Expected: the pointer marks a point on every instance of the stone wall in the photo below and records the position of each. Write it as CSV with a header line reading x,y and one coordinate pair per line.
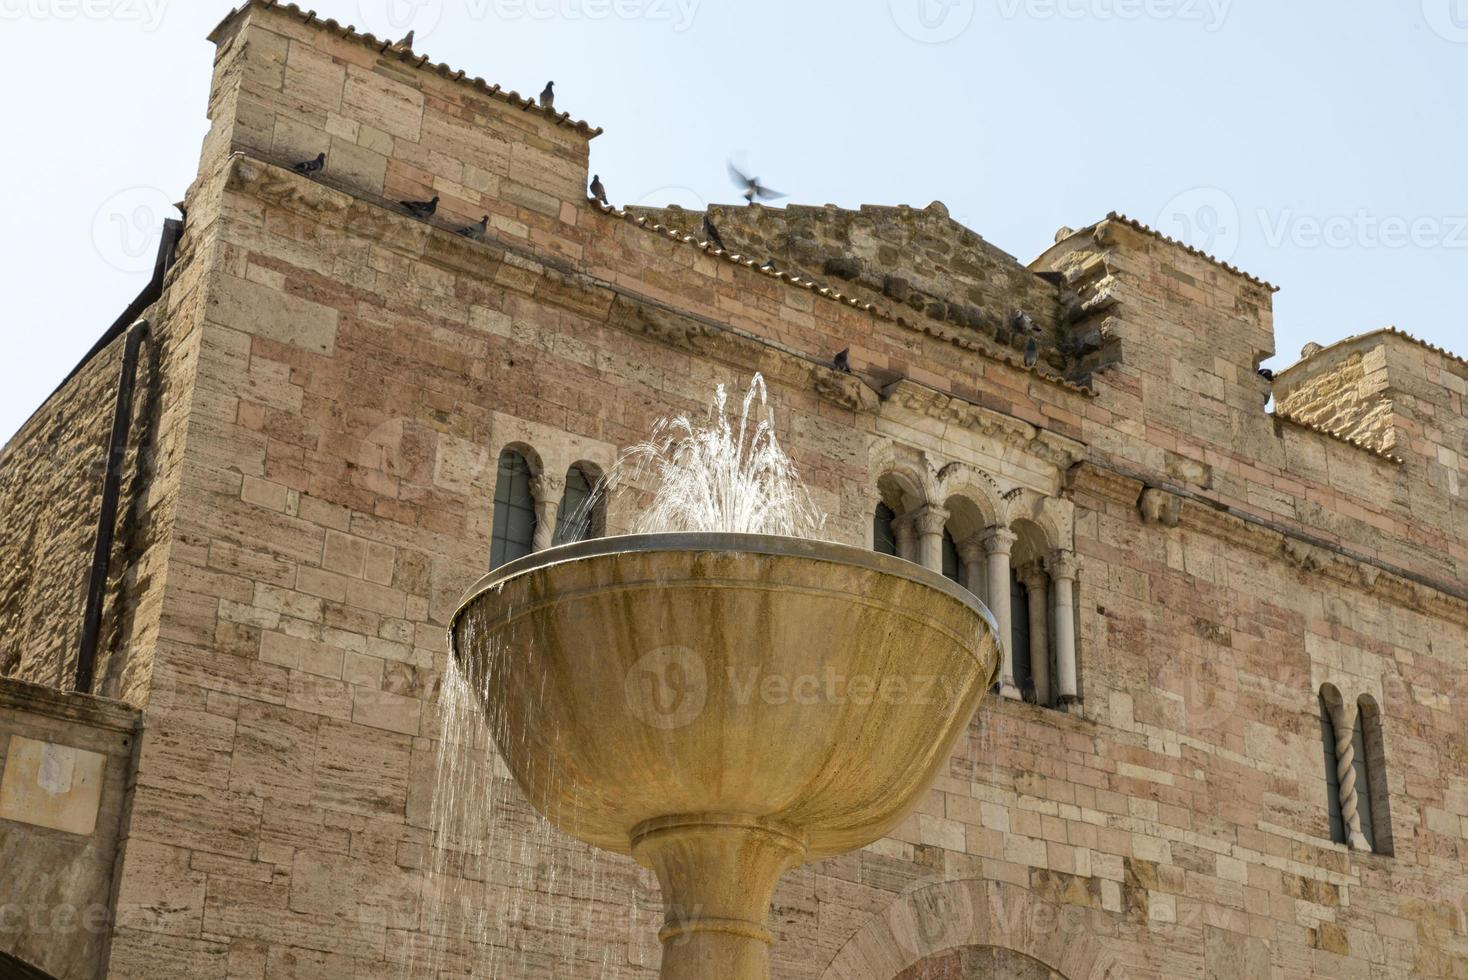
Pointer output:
x,y
340,379
65,768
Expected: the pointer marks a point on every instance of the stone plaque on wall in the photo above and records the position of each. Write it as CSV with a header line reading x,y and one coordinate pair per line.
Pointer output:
x,y
50,785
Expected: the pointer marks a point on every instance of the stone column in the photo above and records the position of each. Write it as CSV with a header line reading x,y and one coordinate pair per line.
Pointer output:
x,y
547,490
997,542
929,521
974,556
904,529
1037,582
1344,723
1063,570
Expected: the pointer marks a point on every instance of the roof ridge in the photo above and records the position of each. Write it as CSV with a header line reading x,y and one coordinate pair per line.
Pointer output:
x,y
830,292
384,46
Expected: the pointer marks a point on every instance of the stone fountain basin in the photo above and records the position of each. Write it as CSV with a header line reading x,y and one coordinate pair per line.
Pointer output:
x,y
809,686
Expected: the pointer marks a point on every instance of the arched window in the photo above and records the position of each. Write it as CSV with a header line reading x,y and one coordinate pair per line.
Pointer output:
x,y
1332,779
952,567
580,513
884,537
514,510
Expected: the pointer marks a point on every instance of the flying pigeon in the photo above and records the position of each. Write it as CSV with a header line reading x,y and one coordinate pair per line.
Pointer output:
x,y
421,209
548,96
752,187
477,229
597,190
711,235
1032,352
310,166
842,361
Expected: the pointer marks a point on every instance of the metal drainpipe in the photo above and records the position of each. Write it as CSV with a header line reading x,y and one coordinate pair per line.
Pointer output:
x,y
122,420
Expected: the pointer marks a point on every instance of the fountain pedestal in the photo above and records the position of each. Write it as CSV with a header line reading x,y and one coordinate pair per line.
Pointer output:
x,y
723,707
718,873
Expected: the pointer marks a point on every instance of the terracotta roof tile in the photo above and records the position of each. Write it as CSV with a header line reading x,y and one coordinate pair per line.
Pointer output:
x,y
1348,440
385,47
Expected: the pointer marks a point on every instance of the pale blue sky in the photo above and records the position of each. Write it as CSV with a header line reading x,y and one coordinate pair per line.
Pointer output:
x,y
1320,145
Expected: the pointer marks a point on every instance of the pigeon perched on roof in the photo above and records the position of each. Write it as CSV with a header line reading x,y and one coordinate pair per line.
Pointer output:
x,y
548,96
597,190
1266,374
842,361
406,44
477,229
421,209
1022,323
752,187
711,235
311,166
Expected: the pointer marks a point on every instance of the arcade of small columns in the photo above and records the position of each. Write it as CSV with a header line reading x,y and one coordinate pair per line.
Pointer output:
x,y
986,560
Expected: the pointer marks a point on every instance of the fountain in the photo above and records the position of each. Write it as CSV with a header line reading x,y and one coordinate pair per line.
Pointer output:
x,y
719,703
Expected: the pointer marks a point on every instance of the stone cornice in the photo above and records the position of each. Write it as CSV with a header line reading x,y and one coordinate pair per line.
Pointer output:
x,y
1059,451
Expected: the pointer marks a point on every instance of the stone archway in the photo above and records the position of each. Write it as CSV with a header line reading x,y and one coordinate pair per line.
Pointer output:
x,y
979,963
950,925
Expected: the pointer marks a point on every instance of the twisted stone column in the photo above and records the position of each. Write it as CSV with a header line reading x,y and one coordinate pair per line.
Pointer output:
x,y
929,521
1063,570
998,541
547,490
1344,724
1037,583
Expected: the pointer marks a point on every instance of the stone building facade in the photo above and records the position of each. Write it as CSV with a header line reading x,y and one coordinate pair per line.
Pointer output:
x,y
1215,597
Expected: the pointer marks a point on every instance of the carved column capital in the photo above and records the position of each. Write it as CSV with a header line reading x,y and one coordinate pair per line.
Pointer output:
x,y
1034,575
930,519
998,540
1063,566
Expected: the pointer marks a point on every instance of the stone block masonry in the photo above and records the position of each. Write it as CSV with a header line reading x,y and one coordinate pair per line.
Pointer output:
x,y
333,382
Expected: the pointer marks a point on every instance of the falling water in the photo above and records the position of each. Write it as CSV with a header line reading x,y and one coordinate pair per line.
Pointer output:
x,y
502,880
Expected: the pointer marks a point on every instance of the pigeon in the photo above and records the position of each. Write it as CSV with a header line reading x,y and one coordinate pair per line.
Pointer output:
x,y
421,209
1266,374
548,96
311,166
1022,323
842,361
476,230
1032,352
752,187
406,44
711,235
598,191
